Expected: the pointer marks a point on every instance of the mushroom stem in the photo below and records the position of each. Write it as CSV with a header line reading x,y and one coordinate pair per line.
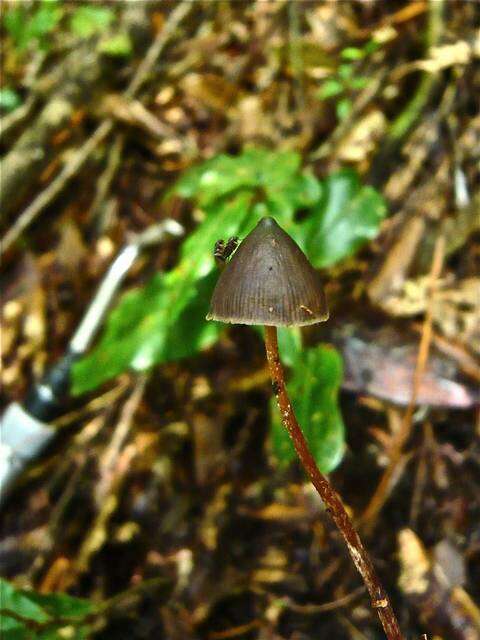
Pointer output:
x,y
335,508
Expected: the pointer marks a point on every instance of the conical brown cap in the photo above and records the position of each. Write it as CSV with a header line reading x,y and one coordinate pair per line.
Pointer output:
x,y
269,281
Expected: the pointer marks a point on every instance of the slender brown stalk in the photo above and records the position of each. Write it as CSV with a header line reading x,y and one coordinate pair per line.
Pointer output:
x,y
335,508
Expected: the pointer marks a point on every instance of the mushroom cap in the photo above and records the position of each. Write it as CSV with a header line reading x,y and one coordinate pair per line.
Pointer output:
x,y
269,281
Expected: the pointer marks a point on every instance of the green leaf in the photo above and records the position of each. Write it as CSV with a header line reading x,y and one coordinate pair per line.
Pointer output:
x,y
62,605
20,602
253,169
352,53
299,191
343,108
28,614
330,88
15,21
358,83
289,344
9,99
45,19
165,320
24,26
346,217
313,388
118,46
88,20
371,46
345,71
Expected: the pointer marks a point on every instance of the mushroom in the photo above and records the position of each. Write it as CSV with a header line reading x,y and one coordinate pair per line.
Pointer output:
x,y
269,281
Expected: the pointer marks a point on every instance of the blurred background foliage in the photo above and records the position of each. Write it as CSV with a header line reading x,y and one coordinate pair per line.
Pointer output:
x,y
43,616
168,505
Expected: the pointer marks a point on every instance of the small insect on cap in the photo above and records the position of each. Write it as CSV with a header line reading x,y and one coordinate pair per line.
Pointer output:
x,y
269,281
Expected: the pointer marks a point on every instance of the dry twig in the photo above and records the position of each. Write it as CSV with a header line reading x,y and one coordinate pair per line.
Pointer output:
x,y
382,492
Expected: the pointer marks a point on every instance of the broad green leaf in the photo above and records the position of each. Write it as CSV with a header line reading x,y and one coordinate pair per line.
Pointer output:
x,y
28,614
253,169
45,19
25,25
118,45
313,388
165,320
9,99
371,46
358,83
352,53
347,216
289,344
14,21
343,108
345,71
62,605
299,191
20,602
87,20
330,88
